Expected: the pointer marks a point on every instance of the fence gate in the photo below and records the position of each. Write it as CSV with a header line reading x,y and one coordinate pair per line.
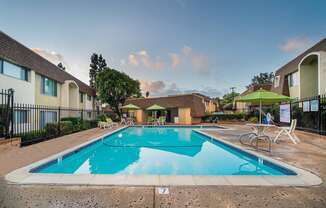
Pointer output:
x,y
6,113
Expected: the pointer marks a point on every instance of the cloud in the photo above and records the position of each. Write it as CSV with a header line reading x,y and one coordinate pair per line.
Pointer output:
x,y
295,44
199,62
142,58
51,56
160,88
175,60
154,87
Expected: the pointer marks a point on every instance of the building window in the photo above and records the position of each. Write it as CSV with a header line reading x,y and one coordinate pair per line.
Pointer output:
x,y
13,70
81,97
89,98
48,117
20,116
48,86
277,81
293,79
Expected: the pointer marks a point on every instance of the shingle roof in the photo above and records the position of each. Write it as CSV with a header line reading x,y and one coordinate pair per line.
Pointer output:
x,y
292,66
16,52
193,101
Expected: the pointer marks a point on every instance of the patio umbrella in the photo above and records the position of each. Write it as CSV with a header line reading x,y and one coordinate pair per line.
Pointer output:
x,y
155,108
262,97
130,107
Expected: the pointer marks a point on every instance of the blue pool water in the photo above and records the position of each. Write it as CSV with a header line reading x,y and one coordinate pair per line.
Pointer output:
x,y
160,151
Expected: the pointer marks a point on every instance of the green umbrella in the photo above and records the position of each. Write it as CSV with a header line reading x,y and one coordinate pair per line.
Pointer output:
x,y
130,107
155,107
262,97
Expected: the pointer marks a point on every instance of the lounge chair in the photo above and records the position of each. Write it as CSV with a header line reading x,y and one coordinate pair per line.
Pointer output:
x,y
150,121
130,122
162,120
110,123
289,132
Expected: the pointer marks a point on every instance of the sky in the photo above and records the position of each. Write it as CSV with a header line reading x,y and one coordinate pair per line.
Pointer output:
x,y
170,46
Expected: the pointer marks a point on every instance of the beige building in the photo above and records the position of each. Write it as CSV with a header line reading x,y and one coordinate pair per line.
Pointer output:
x,y
36,81
181,109
304,76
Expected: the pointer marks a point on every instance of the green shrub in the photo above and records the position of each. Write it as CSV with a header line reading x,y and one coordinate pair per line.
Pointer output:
x,y
33,135
74,120
224,117
253,119
101,117
66,127
51,129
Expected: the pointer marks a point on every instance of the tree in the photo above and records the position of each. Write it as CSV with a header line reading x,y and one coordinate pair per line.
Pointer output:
x,y
147,94
262,78
97,65
60,65
114,87
227,98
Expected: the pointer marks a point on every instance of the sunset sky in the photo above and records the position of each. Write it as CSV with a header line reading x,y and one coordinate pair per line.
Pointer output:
x,y
171,46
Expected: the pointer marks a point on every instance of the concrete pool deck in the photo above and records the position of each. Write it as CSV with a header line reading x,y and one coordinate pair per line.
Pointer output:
x,y
310,154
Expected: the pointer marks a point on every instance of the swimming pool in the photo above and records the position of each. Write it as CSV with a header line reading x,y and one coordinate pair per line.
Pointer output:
x,y
161,151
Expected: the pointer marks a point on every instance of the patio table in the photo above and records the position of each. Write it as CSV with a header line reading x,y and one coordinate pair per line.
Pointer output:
x,y
258,130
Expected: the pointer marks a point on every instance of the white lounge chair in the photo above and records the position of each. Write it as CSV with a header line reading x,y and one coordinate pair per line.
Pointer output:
x,y
288,131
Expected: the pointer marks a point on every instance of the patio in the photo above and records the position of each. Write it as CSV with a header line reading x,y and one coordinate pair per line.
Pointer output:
x,y
310,154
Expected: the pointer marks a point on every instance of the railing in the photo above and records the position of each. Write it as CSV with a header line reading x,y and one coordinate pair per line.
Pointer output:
x,y
6,112
33,118
310,114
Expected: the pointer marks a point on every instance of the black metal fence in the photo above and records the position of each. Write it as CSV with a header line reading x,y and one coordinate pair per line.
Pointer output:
x,y
310,114
33,118
6,112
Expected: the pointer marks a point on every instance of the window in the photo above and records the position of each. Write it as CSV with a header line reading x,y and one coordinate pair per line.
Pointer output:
x,y
13,70
81,97
277,81
89,98
47,117
20,116
293,79
48,86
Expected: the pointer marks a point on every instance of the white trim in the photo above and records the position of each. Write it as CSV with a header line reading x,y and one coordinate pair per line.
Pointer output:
x,y
319,71
24,176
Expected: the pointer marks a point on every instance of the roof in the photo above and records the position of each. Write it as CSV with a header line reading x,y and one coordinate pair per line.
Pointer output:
x,y
256,87
292,66
193,101
19,54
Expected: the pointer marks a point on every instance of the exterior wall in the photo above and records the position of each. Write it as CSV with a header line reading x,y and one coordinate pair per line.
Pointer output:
x,y
308,80
322,74
24,90
41,99
184,116
88,103
140,116
196,120
294,92
210,107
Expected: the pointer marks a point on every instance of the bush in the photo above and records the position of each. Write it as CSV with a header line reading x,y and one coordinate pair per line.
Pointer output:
x,y
32,137
224,117
51,129
74,120
253,119
101,118
66,127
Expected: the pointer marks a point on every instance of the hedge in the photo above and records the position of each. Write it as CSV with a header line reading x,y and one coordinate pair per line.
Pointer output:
x,y
52,130
224,117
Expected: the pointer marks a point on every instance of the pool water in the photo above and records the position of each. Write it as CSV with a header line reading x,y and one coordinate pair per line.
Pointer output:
x,y
160,151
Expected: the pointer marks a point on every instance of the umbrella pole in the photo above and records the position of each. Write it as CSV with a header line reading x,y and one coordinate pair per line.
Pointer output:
x,y
260,111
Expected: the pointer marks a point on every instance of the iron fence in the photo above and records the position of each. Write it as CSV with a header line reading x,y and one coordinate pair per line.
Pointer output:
x,y
6,112
310,114
33,118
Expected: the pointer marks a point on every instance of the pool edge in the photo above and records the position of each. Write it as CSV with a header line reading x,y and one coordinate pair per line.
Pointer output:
x,y
23,175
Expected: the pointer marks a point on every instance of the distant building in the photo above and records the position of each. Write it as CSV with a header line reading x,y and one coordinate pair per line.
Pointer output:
x,y
185,109
304,76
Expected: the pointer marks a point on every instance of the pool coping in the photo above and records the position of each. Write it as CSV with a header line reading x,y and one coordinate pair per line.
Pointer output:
x,y
23,176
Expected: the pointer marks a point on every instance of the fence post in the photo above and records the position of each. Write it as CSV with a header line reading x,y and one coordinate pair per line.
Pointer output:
x,y
319,115
82,114
12,112
59,120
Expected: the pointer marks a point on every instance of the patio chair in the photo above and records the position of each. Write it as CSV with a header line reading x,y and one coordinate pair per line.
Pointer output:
x,y
162,120
130,122
289,132
150,120
110,123
123,121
